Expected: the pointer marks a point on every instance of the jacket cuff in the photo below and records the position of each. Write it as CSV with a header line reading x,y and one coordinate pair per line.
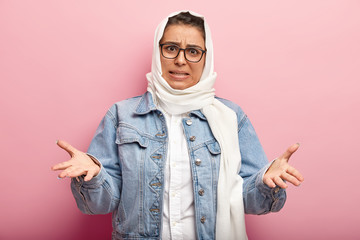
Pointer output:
x,y
277,194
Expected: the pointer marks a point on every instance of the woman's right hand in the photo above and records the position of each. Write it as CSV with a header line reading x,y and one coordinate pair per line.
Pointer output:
x,y
79,164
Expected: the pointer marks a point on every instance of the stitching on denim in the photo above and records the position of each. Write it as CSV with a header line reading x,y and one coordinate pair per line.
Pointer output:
x,y
112,117
123,124
158,158
79,190
163,123
141,193
138,106
204,144
242,122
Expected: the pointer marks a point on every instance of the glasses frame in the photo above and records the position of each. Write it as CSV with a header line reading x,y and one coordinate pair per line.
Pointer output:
x,y
184,49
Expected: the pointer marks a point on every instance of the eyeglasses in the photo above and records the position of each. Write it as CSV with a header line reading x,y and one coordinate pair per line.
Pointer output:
x,y
192,54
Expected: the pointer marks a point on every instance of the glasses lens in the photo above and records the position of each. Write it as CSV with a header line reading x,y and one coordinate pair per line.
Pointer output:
x,y
193,54
170,51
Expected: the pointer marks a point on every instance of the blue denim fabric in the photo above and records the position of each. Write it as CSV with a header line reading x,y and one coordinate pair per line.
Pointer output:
x,y
131,144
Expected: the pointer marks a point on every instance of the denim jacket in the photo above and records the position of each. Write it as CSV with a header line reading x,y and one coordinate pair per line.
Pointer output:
x,y
131,145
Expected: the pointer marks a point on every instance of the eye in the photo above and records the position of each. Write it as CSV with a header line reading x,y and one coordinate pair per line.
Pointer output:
x,y
193,51
171,48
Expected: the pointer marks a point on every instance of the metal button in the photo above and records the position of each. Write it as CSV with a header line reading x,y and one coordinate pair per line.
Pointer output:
x,y
188,122
201,192
277,189
202,219
197,162
192,138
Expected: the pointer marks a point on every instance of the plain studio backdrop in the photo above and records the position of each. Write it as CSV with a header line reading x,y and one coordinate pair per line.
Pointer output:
x,y
293,66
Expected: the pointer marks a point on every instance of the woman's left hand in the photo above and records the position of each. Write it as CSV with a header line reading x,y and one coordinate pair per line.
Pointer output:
x,y
281,171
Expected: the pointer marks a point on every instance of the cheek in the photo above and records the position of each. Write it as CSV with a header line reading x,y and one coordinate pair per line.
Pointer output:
x,y
164,66
199,70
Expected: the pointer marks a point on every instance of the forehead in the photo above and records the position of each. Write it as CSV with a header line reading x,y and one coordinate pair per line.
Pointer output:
x,y
184,35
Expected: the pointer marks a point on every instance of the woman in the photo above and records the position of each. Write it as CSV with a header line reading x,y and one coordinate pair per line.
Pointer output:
x,y
178,162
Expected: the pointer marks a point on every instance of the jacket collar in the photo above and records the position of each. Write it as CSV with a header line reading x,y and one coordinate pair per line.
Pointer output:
x,y
146,105
199,114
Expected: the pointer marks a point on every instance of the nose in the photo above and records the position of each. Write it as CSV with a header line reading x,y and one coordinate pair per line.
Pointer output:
x,y
180,59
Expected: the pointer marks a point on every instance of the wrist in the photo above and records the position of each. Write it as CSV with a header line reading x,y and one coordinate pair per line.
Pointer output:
x,y
98,164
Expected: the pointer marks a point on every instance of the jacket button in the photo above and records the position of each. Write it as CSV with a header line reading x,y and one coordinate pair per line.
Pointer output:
x,y
202,219
201,192
192,138
188,122
197,162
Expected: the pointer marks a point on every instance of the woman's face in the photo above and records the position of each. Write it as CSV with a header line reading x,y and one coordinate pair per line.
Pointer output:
x,y
178,72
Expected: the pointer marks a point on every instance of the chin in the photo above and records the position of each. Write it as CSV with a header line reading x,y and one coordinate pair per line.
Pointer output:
x,y
178,86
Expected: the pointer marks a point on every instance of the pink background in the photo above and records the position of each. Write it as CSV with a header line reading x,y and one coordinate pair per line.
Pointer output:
x,y
293,66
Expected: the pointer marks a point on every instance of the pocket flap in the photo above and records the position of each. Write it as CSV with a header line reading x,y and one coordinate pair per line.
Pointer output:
x,y
129,135
214,147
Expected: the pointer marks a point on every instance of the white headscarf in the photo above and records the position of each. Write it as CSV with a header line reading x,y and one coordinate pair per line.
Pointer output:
x,y
230,220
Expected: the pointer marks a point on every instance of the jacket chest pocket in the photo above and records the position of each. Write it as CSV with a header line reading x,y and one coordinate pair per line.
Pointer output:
x,y
214,150
131,147
213,147
207,157
127,134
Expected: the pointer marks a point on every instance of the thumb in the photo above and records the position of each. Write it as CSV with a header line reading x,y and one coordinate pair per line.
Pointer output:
x,y
290,151
67,147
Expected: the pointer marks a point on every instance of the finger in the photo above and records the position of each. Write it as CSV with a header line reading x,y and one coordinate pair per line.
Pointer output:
x,y
90,174
61,166
72,172
287,177
295,173
290,151
269,182
65,173
76,172
67,147
278,181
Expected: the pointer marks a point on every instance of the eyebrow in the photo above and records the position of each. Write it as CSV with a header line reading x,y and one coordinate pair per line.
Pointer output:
x,y
178,44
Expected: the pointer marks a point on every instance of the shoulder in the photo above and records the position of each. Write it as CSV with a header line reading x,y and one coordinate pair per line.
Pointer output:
x,y
236,108
125,107
241,116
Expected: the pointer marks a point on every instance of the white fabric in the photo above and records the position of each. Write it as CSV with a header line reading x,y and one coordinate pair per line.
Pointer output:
x,y
179,210
230,220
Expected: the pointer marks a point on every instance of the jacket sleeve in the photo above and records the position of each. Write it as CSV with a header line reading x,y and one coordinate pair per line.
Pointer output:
x,y
101,194
258,197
